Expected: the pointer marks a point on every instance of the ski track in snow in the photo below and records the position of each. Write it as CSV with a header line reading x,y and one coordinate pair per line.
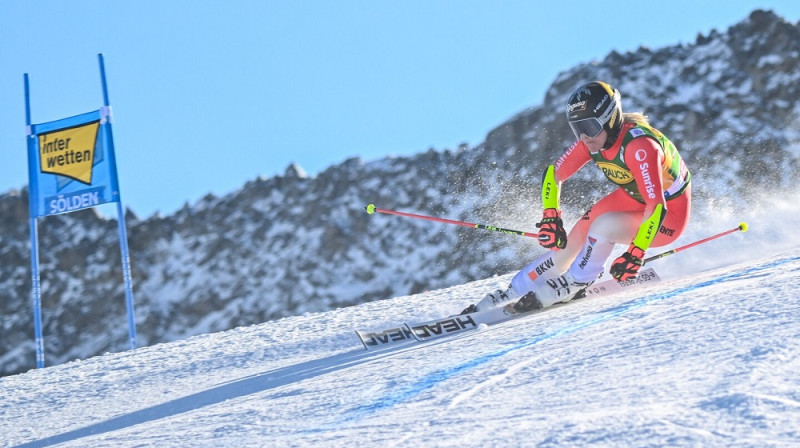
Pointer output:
x,y
440,376
711,360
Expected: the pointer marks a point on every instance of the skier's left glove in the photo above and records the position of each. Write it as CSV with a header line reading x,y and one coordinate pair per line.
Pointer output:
x,y
627,266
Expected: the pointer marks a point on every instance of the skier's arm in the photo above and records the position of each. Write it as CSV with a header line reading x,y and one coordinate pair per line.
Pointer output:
x,y
551,228
643,156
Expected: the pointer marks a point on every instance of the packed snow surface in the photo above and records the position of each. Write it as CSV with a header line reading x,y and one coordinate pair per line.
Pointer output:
x,y
706,359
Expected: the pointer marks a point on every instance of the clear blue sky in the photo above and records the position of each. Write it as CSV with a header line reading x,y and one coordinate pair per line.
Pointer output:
x,y
208,95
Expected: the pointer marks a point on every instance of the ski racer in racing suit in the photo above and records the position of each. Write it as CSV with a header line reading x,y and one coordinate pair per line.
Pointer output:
x,y
650,208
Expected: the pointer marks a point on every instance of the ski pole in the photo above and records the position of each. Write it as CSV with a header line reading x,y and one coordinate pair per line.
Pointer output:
x,y
372,209
742,227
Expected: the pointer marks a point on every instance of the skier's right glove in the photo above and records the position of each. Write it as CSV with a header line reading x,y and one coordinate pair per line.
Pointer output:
x,y
551,230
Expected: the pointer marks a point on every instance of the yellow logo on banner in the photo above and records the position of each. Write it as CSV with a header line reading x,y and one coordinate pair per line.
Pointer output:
x,y
69,152
615,173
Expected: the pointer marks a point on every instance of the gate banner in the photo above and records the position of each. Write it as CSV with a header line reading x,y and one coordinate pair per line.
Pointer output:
x,y
71,164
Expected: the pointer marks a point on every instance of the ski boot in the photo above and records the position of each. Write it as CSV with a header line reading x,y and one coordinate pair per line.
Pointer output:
x,y
494,299
559,289
527,303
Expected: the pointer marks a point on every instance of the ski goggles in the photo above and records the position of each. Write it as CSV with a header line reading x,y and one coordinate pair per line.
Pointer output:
x,y
589,126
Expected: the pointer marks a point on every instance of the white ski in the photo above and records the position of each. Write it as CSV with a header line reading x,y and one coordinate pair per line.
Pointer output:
x,y
447,326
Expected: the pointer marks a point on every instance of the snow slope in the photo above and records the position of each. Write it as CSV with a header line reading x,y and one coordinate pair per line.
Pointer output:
x,y
704,359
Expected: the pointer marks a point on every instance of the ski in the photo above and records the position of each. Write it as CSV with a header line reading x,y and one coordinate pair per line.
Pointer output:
x,y
390,337
437,328
606,288
451,325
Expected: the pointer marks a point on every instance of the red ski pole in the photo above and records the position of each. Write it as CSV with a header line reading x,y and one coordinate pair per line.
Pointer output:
x,y
372,209
742,227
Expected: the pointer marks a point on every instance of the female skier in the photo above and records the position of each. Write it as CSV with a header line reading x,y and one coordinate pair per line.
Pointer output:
x,y
649,209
